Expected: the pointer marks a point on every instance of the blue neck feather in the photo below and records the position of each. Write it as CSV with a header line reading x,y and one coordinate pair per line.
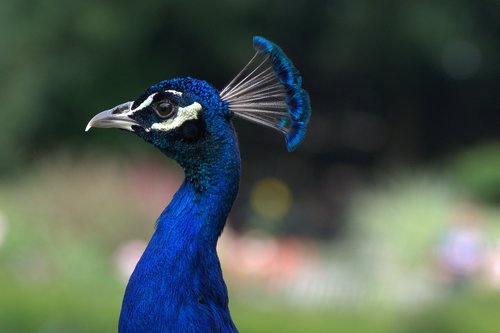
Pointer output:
x,y
177,285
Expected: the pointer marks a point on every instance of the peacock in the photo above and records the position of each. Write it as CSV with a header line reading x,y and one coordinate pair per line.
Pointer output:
x,y
177,285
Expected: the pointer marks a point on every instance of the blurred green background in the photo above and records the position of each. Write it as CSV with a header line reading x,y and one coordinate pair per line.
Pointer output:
x,y
386,219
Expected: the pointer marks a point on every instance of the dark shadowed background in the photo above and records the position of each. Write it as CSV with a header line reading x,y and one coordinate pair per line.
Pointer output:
x,y
385,219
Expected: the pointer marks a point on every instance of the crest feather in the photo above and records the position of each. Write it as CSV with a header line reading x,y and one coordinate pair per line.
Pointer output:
x,y
268,91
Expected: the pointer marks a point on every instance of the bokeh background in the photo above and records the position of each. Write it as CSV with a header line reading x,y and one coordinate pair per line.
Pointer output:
x,y
386,219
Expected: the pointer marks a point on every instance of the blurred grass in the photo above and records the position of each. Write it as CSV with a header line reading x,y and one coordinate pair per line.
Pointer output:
x,y
93,309
66,218
56,308
466,313
283,318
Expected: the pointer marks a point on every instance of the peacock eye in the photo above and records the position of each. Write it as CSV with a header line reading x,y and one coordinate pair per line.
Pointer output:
x,y
164,109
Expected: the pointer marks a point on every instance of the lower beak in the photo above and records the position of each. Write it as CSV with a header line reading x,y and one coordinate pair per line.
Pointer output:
x,y
117,117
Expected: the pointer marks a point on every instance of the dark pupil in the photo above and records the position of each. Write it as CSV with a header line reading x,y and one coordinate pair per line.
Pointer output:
x,y
164,109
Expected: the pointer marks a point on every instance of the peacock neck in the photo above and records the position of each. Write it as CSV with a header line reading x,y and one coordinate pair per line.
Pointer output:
x,y
177,286
208,191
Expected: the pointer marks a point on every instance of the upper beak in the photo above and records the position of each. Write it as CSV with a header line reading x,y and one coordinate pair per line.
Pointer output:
x,y
117,117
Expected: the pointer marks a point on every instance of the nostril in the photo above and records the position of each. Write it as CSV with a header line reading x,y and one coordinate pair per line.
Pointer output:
x,y
122,108
119,109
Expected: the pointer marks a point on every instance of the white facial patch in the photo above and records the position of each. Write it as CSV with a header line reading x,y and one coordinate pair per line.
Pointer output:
x,y
184,114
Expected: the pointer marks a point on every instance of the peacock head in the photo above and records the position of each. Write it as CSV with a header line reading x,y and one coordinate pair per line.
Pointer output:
x,y
187,117
178,116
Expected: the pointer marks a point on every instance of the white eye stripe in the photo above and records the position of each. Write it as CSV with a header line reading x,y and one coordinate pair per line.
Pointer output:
x,y
184,114
144,104
149,100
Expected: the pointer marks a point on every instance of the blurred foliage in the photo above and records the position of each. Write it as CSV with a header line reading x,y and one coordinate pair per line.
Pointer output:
x,y
396,227
61,62
477,170
403,216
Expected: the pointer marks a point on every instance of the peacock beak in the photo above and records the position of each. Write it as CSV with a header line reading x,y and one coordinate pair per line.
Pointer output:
x,y
117,117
